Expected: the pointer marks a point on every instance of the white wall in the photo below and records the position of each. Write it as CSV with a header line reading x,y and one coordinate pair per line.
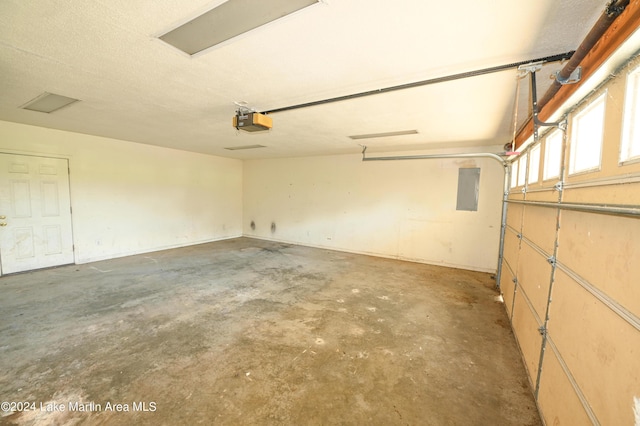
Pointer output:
x,y
129,198
399,209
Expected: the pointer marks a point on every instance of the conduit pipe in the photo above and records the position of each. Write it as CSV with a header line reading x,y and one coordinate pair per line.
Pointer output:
x,y
435,156
603,26
611,12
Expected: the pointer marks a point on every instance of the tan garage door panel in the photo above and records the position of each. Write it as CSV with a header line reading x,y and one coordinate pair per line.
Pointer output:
x,y
529,339
604,250
601,350
511,249
540,227
516,194
534,277
507,286
514,215
550,196
557,396
628,194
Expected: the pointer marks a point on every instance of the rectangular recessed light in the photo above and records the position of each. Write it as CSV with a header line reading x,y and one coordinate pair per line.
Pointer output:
x,y
48,102
384,135
228,20
236,148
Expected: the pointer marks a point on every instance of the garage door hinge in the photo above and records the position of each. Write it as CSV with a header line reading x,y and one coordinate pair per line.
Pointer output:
x,y
558,186
519,236
543,331
552,260
515,280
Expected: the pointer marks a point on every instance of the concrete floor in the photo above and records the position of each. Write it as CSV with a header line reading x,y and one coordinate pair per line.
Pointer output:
x,y
252,332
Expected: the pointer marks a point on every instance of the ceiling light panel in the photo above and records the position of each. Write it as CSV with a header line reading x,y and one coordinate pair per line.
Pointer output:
x,y
228,20
385,135
237,148
48,102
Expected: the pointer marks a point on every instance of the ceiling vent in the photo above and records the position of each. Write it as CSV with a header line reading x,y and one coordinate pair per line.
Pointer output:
x,y
48,102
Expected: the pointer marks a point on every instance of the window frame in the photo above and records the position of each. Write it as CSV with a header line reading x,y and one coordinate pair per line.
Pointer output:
x,y
537,149
631,109
514,173
522,171
545,161
599,102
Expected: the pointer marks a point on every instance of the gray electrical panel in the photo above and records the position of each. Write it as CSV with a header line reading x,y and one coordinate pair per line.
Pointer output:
x,y
468,189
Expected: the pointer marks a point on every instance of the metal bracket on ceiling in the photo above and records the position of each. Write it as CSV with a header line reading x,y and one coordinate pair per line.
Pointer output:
x,y
243,107
531,69
613,10
575,77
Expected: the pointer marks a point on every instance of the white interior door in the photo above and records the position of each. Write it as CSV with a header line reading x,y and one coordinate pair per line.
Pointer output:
x,y
35,213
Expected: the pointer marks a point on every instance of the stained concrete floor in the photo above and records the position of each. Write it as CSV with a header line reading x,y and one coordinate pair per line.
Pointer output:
x,y
252,332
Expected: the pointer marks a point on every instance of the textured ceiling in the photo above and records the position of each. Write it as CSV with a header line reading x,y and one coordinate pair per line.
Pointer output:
x,y
134,87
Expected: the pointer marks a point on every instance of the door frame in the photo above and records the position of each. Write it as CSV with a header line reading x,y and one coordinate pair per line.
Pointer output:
x,y
57,157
